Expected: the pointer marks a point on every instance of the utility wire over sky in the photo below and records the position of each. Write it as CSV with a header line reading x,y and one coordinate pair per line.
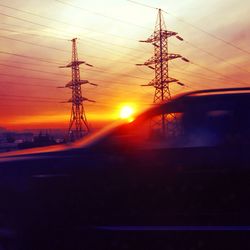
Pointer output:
x,y
34,42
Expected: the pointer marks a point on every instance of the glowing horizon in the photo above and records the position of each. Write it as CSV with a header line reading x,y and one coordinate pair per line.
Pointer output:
x,y
108,38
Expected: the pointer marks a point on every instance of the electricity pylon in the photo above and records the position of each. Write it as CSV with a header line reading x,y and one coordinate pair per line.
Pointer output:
x,y
159,63
78,125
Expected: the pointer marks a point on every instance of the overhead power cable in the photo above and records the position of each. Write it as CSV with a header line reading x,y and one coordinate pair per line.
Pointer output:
x,y
208,33
217,57
34,44
195,27
143,4
34,97
89,40
28,77
58,21
102,71
53,73
100,14
26,84
31,33
28,69
30,57
48,47
218,73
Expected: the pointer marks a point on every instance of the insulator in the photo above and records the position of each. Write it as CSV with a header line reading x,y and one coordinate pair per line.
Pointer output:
x,y
156,45
181,84
185,59
145,41
90,65
179,38
94,84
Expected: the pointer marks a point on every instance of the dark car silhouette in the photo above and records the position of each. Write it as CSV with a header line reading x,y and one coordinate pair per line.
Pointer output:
x,y
143,178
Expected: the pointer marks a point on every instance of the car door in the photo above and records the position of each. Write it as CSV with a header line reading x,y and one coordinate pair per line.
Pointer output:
x,y
185,178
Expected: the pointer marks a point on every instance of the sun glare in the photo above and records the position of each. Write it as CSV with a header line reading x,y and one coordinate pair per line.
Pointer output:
x,y
126,112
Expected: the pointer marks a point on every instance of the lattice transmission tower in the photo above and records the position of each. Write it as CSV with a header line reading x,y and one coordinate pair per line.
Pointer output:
x,y
159,63
78,125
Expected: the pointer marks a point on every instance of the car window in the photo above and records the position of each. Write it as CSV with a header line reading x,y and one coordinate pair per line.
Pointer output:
x,y
149,132
197,127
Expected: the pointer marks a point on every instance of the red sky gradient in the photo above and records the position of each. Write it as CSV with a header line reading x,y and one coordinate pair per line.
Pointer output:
x,y
108,33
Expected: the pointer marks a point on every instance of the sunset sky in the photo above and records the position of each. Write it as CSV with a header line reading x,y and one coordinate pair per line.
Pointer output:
x,y
35,42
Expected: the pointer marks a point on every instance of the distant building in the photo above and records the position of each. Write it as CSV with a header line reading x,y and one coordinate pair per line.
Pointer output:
x,y
38,141
11,140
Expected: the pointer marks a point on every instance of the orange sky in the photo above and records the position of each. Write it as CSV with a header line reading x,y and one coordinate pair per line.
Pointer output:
x,y
108,33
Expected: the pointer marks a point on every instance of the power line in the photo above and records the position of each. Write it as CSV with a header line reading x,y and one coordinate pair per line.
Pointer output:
x,y
35,23
114,44
142,78
32,97
195,27
100,14
143,4
57,63
115,90
52,34
28,77
100,71
109,34
47,79
49,72
208,33
28,69
48,18
28,21
202,76
217,57
120,91
27,84
55,102
218,73
58,21
49,47
106,87
34,44
44,101
201,83
30,57
52,80
52,86
32,34
106,72
27,100
27,63
87,39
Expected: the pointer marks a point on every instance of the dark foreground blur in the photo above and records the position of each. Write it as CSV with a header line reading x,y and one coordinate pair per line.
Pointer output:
x,y
140,185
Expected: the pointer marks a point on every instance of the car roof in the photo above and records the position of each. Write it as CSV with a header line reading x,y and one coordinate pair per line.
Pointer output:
x,y
210,97
222,91
215,97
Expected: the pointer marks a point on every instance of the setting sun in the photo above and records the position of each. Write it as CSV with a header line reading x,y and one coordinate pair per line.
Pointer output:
x,y
126,112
